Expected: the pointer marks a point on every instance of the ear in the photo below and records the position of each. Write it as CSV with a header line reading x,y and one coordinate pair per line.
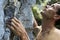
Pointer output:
x,y
56,17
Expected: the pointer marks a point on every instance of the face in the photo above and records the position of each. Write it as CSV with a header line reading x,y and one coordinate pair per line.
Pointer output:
x,y
50,11
57,8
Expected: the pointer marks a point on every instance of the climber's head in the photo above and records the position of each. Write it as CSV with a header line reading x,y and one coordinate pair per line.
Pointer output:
x,y
51,12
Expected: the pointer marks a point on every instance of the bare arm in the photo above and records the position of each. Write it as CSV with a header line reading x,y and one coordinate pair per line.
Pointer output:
x,y
35,24
36,28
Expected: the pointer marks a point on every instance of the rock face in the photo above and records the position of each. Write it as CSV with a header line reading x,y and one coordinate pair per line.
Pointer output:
x,y
9,11
2,30
26,16
20,9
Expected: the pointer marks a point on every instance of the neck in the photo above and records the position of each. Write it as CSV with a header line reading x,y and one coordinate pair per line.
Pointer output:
x,y
47,25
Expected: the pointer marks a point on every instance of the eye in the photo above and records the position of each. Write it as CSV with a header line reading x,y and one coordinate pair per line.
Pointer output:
x,y
52,5
47,6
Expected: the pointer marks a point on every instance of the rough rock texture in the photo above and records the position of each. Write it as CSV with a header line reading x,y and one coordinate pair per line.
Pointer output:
x,y
20,9
9,11
26,16
1,19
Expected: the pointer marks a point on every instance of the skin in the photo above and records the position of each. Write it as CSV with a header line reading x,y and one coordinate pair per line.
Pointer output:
x,y
17,28
49,32
36,28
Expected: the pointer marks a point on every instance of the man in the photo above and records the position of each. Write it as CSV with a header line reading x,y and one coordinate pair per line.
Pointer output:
x,y
49,32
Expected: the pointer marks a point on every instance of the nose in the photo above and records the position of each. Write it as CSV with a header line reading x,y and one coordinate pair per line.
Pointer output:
x,y
42,12
52,5
47,6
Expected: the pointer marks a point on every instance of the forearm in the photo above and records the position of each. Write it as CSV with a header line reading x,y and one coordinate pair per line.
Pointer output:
x,y
24,37
35,24
37,30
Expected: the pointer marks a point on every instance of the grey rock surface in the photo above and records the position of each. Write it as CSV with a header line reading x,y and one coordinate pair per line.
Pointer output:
x,y
21,10
1,23
25,15
8,13
1,19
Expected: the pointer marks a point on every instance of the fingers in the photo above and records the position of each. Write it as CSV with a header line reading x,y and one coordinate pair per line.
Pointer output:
x,y
11,27
16,20
12,24
16,26
14,30
13,21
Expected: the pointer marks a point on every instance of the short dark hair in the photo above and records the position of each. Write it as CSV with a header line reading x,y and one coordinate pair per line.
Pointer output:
x,y
58,11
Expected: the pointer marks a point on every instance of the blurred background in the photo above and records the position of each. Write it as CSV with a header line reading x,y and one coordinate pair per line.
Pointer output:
x,y
39,6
